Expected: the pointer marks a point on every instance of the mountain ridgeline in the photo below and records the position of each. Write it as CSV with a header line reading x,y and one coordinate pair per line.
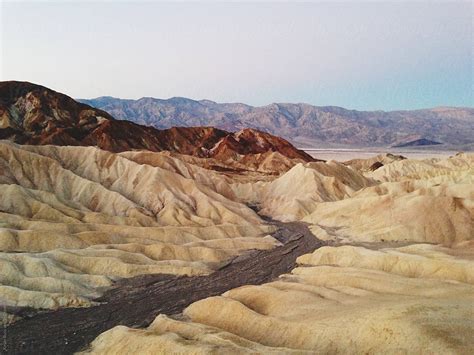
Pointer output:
x,y
303,124
33,114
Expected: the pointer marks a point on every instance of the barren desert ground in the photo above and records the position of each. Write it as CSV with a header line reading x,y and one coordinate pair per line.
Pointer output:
x,y
345,154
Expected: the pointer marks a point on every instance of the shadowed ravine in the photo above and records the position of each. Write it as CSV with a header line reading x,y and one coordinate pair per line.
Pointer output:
x,y
135,302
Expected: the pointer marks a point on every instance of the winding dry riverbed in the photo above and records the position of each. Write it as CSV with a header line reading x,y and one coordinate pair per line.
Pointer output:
x,y
135,302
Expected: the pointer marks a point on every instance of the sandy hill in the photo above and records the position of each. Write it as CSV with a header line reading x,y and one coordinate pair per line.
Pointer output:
x,y
407,201
450,170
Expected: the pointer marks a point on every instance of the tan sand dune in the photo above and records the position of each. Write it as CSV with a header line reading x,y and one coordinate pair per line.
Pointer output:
x,y
345,300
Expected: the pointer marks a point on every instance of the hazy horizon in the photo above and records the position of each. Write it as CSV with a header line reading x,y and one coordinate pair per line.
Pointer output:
x,y
362,56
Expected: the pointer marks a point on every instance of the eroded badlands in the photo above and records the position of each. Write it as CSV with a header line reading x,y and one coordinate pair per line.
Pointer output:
x,y
395,275
74,219
395,278
339,300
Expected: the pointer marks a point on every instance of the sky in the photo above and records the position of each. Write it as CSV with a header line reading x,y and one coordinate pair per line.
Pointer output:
x,y
359,55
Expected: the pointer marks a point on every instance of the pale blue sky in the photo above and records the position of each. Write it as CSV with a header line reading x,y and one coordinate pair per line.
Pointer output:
x,y
361,55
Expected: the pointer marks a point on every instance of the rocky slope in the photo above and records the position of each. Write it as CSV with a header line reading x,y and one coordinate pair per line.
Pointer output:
x,y
32,114
303,124
374,163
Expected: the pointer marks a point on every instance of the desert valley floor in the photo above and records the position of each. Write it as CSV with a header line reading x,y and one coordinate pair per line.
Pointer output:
x,y
345,154
119,238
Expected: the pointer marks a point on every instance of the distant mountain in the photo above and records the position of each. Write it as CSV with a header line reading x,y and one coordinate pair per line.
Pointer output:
x,y
33,114
301,123
417,143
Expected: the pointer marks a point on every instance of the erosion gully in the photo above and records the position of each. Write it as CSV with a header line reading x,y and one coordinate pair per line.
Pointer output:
x,y
135,302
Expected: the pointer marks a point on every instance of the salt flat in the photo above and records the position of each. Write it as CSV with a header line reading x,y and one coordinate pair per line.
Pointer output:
x,y
344,154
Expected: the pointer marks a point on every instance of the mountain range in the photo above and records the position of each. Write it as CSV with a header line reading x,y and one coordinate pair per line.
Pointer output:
x,y
35,115
303,124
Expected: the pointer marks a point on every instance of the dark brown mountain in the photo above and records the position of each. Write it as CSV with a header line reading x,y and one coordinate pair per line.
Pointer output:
x,y
33,114
302,124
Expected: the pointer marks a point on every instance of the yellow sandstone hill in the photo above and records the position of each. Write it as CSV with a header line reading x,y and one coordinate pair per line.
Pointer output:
x,y
451,170
437,214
